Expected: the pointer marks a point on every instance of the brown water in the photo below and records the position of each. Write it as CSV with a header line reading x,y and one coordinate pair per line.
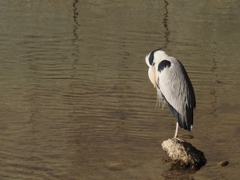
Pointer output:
x,y
76,101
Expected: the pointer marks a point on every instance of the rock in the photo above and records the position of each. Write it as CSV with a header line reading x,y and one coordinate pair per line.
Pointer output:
x,y
223,163
184,154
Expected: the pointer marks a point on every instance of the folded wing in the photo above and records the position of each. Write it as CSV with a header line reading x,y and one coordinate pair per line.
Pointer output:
x,y
177,91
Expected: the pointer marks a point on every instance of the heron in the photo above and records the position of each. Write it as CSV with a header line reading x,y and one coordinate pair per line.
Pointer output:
x,y
173,86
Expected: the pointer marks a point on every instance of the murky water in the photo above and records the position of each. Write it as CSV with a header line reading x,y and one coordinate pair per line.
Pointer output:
x,y
76,101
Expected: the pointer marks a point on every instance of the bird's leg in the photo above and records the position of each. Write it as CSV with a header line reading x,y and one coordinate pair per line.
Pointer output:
x,y
176,134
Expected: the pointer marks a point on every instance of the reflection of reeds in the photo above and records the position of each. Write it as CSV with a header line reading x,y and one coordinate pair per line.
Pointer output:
x,y
75,28
75,15
214,91
165,23
75,12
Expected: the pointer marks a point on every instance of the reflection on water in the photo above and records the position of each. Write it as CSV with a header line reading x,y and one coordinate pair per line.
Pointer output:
x,y
165,23
76,102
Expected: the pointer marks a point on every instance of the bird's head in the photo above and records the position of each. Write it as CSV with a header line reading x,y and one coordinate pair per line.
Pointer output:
x,y
152,60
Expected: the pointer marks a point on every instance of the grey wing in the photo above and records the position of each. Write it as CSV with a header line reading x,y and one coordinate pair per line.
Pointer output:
x,y
177,91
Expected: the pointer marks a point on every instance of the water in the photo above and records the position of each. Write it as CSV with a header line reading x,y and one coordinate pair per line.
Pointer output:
x,y
76,101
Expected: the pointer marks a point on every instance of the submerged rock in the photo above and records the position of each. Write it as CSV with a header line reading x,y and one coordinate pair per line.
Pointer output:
x,y
184,154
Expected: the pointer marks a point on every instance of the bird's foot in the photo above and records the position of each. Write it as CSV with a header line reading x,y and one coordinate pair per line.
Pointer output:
x,y
178,139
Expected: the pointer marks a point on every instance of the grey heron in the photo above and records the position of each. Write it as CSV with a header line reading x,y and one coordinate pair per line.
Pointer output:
x,y
173,85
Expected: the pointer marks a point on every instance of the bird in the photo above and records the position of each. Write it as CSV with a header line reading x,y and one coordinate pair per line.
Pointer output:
x,y
169,77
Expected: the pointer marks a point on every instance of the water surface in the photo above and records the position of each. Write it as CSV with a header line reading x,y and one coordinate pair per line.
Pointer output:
x,y
76,101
